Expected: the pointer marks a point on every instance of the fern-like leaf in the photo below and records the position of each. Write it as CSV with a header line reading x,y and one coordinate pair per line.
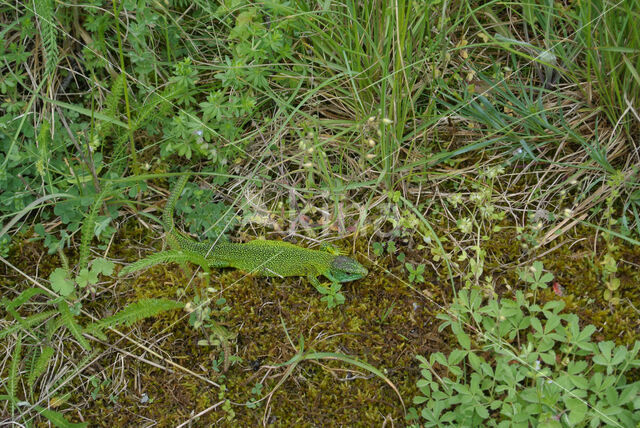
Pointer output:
x,y
88,227
27,322
48,33
23,297
39,366
134,312
176,256
12,382
74,328
157,106
111,104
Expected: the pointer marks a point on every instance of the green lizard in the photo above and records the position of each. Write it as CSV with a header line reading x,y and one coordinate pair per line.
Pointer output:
x,y
262,257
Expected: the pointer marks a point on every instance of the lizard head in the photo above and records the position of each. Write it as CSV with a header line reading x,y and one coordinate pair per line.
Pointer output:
x,y
345,269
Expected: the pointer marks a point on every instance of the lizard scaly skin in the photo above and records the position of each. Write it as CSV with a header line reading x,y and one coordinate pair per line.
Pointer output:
x,y
262,257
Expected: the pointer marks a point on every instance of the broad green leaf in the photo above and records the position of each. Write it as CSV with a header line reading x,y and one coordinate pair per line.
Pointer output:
x,y
577,410
463,338
579,381
102,266
619,355
86,277
60,282
475,361
535,323
482,411
419,400
548,358
606,348
456,356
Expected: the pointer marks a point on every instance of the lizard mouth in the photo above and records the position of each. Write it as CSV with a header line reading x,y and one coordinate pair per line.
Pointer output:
x,y
358,275
351,275
346,277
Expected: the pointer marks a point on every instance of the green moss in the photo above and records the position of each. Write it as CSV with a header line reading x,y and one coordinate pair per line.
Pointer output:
x,y
383,322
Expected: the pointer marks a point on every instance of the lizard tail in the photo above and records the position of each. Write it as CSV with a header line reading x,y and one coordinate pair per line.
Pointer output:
x,y
167,214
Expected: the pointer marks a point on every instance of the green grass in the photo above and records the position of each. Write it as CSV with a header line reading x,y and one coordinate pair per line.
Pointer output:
x,y
446,144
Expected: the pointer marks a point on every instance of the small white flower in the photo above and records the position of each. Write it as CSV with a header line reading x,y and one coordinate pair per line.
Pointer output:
x,y
465,225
